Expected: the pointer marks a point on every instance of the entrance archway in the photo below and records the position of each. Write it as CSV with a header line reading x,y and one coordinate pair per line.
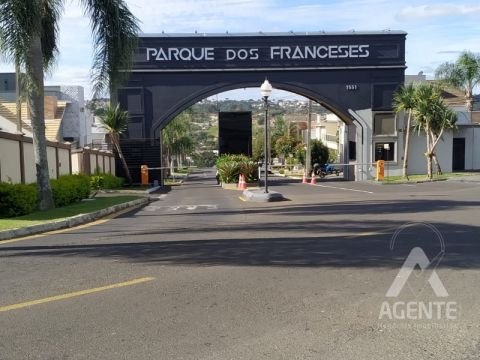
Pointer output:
x,y
351,74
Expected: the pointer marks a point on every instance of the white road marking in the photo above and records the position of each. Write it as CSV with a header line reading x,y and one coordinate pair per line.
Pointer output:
x,y
182,207
341,188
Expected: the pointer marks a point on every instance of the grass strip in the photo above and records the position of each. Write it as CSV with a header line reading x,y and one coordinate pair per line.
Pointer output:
x,y
83,207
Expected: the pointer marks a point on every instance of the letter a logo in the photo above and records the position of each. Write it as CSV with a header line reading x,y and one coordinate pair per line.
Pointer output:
x,y
416,257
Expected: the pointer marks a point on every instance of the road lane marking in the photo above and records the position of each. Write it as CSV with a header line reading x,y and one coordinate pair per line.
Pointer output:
x,y
78,227
341,188
180,207
74,294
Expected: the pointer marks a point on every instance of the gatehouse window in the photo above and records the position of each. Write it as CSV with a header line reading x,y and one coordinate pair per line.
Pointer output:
x,y
384,124
385,151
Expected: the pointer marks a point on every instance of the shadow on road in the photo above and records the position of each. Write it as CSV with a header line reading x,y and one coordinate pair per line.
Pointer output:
x,y
335,245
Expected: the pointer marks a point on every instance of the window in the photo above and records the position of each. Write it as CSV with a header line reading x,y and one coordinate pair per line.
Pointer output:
x,y
385,151
384,124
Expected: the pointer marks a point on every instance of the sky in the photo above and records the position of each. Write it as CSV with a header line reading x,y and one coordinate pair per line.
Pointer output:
x,y
437,30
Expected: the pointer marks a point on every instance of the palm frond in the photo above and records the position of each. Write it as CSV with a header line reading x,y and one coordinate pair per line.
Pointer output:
x,y
114,120
115,31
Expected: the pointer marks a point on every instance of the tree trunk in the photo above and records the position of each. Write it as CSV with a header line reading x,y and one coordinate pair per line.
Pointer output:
x,y
429,153
18,90
469,101
407,140
36,107
116,143
437,164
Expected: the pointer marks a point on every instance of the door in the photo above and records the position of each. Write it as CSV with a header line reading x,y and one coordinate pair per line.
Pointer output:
x,y
458,158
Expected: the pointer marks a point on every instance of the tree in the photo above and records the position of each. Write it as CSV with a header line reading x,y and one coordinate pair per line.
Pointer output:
x,y
404,100
433,117
285,145
29,36
115,122
258,143
319,153
176,136
463,74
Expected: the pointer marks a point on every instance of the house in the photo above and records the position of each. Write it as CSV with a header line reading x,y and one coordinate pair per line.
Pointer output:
x,y
65,119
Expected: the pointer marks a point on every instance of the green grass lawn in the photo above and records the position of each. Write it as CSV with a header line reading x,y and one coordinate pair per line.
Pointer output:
x,y
83,207
423,177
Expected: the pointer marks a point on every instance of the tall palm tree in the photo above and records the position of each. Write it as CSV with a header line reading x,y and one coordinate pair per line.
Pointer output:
x,y
463,74
29,33
115,122
404,100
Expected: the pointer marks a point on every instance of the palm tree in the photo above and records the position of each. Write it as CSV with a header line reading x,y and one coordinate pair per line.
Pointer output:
x,y
404,100
29,34
433,117
463,74
175,133
115,122
445,119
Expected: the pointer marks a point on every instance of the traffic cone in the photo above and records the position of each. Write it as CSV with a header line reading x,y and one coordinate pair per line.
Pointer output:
x,y
305,180
314,180
242,185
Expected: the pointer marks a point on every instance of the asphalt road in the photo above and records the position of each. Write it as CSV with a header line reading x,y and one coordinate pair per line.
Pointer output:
x,y
200,274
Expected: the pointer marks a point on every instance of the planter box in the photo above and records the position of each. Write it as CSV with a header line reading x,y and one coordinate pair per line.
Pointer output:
x,y
234,186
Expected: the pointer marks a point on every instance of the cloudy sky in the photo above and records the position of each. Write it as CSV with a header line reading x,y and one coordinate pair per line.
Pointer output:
x,y
437,30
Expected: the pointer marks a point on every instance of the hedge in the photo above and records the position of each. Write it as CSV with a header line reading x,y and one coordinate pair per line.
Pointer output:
x,y
106,181
68,189
21,199
17,199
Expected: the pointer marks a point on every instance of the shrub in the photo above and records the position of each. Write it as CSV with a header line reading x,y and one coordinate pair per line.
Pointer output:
x,y
17,199
228,171
249,168
106,181
96,182
68,189
112,181
231,166
319,152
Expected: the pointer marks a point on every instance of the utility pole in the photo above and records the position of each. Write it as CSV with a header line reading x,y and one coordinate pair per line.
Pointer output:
x,y
308,157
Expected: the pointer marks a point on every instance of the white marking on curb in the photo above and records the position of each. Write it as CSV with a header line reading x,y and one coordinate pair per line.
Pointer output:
x,y
341,188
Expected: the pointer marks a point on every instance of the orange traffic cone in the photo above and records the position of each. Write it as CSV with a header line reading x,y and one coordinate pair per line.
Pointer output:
x,y
305,180
314,180
242,185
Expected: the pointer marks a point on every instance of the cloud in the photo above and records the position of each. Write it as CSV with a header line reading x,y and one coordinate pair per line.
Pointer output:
x,y
431,11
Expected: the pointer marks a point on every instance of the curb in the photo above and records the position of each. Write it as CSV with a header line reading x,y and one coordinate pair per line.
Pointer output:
x,y
70,221
410,182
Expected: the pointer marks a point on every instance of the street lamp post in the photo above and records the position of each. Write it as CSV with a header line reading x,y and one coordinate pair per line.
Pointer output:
x,y
387,147
266,91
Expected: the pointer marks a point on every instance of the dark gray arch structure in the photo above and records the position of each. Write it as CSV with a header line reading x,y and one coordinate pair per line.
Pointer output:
x,y
352,74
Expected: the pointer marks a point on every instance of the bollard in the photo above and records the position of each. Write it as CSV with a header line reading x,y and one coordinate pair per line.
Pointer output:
x,y
380,170
144,174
